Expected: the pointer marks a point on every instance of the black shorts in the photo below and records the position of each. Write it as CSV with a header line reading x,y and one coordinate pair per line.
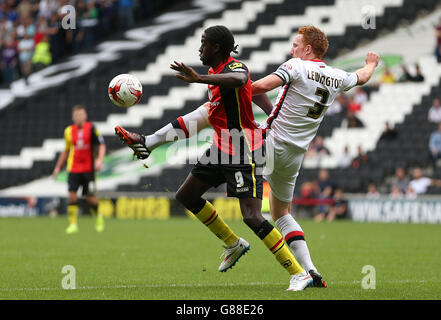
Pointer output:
x,y
85,180
241,179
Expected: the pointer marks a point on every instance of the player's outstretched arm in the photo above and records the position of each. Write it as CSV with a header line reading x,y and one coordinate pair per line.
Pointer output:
x,y
266,84
365,73
228,80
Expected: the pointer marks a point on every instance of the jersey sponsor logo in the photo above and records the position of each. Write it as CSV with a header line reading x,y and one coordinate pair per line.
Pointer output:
x,y
243,189
239,69
235,65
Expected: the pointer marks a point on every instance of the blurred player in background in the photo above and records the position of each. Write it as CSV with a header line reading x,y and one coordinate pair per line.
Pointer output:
x,y
232,159
84,152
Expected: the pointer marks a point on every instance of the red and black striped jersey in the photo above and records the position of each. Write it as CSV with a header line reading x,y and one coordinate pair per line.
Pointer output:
x,y
231,112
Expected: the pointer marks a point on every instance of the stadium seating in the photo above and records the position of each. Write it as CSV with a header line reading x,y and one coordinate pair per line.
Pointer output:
x,y
33,126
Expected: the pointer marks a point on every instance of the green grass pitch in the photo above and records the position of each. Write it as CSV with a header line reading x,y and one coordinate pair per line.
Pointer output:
x,y
178,259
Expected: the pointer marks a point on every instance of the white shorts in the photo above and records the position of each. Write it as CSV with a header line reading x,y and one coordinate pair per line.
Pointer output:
x,y
283,163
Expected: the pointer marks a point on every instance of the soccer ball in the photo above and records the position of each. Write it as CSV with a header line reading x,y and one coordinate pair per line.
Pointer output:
x,y
125,90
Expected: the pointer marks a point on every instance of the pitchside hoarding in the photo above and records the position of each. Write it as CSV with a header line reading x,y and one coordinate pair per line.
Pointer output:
x,y
383,210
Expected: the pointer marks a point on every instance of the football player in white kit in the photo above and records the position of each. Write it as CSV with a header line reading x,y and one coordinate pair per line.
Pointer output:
x,y
308,88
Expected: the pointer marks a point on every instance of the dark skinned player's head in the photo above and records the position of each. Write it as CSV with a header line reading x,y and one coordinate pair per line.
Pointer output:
x,y
217,43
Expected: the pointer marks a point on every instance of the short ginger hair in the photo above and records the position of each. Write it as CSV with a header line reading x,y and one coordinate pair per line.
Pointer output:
x,y
316,38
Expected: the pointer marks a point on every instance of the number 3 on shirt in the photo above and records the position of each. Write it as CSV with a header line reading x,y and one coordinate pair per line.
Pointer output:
x,y
318,108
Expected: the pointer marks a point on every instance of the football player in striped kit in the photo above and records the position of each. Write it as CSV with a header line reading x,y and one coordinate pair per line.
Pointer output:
x,y
233,158
84,153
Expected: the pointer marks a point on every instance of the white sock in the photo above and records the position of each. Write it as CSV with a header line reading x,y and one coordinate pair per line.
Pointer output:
x,y
181,128
295,238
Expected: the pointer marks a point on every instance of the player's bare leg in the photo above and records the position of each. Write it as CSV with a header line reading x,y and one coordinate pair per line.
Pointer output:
x,y
294,237
72,213
190,196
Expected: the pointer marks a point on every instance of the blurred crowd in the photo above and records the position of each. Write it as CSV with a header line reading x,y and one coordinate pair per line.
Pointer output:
x,y
322,199
406,184
32,36
404,76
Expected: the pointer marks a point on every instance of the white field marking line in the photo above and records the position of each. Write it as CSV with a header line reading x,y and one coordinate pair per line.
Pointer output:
x,y
183,285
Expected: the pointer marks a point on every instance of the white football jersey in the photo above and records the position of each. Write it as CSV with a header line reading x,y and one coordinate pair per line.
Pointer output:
x,y
310,87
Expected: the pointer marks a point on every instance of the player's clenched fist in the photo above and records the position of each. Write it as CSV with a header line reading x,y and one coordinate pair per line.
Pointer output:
x,y
372,57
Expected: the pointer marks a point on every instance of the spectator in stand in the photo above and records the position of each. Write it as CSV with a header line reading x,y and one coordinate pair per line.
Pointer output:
x,y
400,181
47,7
27,26
438,42
353,106
308,197
345,158
11,10
41,29
55,36
125,12
107,12
435,145
405,75
3,11
372,192
42,54
387,76
418,75
9,61
37,18
361,158
352,121
26,8
318,147
26,50
325,188
395,193
337,210
419,184
434,115
360,96
389,133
